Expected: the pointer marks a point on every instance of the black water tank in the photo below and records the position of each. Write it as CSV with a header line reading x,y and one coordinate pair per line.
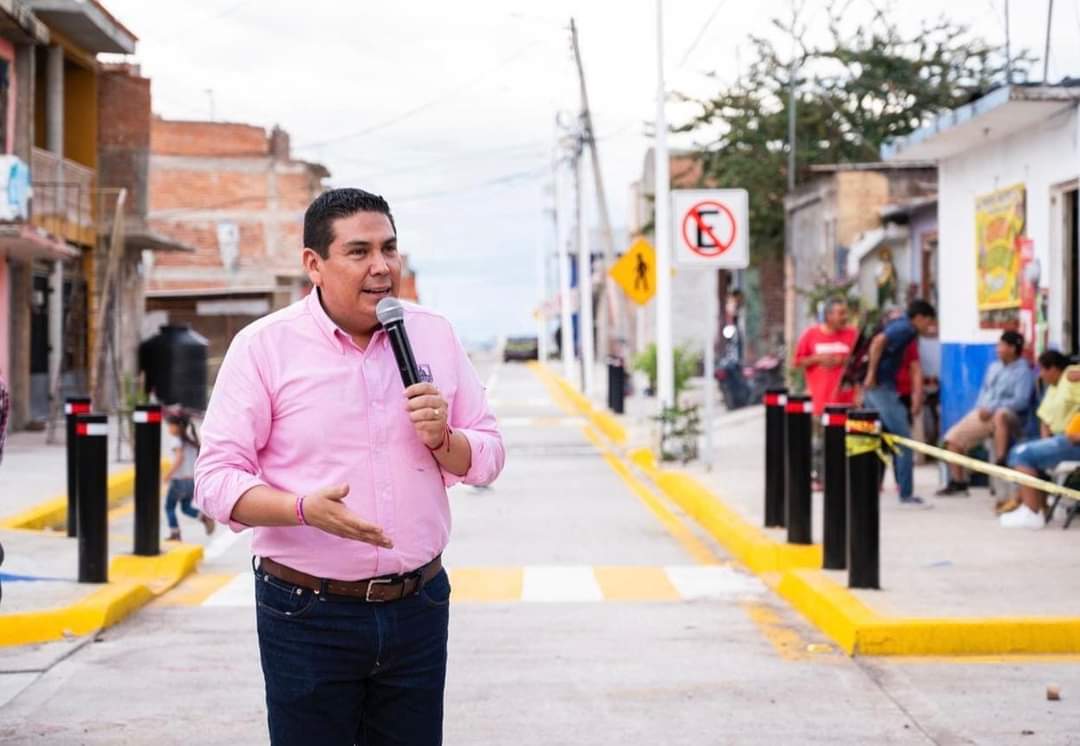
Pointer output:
x,y
174,361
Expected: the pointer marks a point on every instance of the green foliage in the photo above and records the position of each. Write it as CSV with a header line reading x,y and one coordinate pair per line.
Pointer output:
x,y
862,88
679,432
686,366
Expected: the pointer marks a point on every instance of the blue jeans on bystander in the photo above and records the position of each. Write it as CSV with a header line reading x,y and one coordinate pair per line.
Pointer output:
x,y
181,491
894,418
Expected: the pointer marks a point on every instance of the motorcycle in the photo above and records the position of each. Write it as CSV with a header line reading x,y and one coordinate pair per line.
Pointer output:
x,y
745,385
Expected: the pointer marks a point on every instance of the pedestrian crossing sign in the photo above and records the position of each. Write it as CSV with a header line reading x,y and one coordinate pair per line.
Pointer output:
x,y
636,272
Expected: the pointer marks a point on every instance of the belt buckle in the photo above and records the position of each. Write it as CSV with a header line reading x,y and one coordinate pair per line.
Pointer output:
x,y
371,584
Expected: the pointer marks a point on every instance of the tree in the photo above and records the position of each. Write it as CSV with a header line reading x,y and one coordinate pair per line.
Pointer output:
x,y
859,90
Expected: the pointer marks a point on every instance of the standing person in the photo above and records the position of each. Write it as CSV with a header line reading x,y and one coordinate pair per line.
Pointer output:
x,y
823,351
1005,396
311,440
5,409
181,475
886,357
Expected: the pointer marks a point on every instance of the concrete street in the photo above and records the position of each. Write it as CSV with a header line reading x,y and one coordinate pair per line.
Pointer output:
x,y
582,615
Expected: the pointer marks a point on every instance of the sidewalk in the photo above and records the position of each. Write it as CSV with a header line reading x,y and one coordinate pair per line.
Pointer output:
x,y
42,598
953,582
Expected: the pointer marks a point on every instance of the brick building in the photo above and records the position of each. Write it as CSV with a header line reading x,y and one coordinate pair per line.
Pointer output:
x,y
235,194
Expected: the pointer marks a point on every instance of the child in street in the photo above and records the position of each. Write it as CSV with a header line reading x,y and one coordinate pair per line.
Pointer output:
x,y
181,476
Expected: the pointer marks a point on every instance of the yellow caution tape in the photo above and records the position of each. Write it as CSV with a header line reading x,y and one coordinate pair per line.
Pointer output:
x,y
857,445
974,464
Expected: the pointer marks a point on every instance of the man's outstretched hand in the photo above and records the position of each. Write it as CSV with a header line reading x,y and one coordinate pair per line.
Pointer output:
x,y
325,510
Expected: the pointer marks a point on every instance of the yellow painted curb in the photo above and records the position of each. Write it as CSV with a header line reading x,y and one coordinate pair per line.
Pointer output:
x,y
793,572
606,423
747,543
52,513
135,582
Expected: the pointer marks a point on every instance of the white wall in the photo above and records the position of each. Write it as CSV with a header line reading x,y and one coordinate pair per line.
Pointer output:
x,y
1039,158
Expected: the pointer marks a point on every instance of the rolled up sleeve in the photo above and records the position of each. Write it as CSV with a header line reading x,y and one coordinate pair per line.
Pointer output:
x,y
471,416
236,427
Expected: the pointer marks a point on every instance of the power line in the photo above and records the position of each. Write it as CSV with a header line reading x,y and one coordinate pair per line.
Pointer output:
x,y
397,118
701,34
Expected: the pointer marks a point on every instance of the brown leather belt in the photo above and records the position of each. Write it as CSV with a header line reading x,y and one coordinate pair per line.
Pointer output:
x,y
374,590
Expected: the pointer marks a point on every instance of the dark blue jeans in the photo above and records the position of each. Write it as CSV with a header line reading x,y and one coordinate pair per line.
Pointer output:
x,y
180,491
894,418
343,671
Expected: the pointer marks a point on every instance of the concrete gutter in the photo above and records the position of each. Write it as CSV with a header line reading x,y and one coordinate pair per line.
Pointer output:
x,y
793,572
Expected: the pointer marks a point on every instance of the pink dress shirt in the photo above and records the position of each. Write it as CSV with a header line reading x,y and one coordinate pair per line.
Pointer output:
x,y
298,406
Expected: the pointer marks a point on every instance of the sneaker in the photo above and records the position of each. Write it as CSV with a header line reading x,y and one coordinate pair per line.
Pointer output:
x,y
1022,517
952,489
208,523
914,503
174,535
1007,505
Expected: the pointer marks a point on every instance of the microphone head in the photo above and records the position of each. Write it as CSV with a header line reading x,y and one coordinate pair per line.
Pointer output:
x,y
389,311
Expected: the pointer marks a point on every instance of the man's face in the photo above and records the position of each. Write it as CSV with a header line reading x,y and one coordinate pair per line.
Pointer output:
x,y
362,267
1006,352
837,316
924,325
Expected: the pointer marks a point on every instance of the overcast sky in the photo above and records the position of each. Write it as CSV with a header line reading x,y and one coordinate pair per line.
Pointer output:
x,y
448,108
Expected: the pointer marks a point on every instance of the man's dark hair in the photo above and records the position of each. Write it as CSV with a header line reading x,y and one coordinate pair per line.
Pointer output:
x,y
338,203
1016,339
1053,359
921,307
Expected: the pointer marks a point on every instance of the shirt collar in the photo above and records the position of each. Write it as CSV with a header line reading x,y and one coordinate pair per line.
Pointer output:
x,y
337,336
322,320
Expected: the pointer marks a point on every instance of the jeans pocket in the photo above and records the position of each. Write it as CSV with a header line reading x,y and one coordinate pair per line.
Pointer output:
x,y
436,594
280,599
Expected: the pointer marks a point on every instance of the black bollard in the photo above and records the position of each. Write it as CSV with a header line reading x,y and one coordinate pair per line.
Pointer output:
x,y
73,407
775,401
799,428
92,434
835,503
147,419
616,384
863,498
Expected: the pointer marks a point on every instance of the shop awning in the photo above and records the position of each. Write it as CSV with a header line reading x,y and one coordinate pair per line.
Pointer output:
x,y
997,115
869,242
24,241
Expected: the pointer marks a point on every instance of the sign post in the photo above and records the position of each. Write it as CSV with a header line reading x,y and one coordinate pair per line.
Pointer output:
x,y
665,353
711,228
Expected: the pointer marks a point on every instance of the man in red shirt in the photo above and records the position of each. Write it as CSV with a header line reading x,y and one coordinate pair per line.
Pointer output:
x,y
823,351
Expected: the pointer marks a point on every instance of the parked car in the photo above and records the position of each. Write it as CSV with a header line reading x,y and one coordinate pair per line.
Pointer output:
x,y
521,348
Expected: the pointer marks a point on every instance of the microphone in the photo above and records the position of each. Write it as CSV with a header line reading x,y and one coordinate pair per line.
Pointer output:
x,y
391,314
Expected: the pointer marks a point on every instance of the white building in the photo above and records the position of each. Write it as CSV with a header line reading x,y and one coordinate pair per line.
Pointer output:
x,y
1018,147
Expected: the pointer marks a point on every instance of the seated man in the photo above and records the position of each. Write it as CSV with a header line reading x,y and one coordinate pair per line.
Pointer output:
x,y
1061,401
1003,403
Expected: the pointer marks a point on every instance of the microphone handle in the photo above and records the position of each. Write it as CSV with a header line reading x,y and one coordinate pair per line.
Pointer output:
x,y
399,341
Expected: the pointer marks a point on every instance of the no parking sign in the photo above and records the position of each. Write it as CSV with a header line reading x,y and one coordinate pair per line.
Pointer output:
x,y
711,227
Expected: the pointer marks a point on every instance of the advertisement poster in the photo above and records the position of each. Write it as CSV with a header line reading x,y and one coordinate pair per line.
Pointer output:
x,y
999,228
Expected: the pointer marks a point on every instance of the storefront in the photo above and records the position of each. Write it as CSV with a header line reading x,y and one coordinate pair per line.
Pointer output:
x,y
1008,168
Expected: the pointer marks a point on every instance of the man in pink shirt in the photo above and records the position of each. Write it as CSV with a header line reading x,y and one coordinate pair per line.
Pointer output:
x,y
311,440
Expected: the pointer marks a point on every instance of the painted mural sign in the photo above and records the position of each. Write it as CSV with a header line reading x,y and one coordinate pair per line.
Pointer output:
x,y
999,230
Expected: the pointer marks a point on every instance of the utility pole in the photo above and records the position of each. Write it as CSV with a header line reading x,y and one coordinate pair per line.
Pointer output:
x,y
541,288
665,355
611,305
585,286
1008,47
1046,57
792,102
566,328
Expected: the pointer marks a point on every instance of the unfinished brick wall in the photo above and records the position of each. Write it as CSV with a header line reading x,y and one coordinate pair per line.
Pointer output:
x,y
124,133
204,174
208,138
